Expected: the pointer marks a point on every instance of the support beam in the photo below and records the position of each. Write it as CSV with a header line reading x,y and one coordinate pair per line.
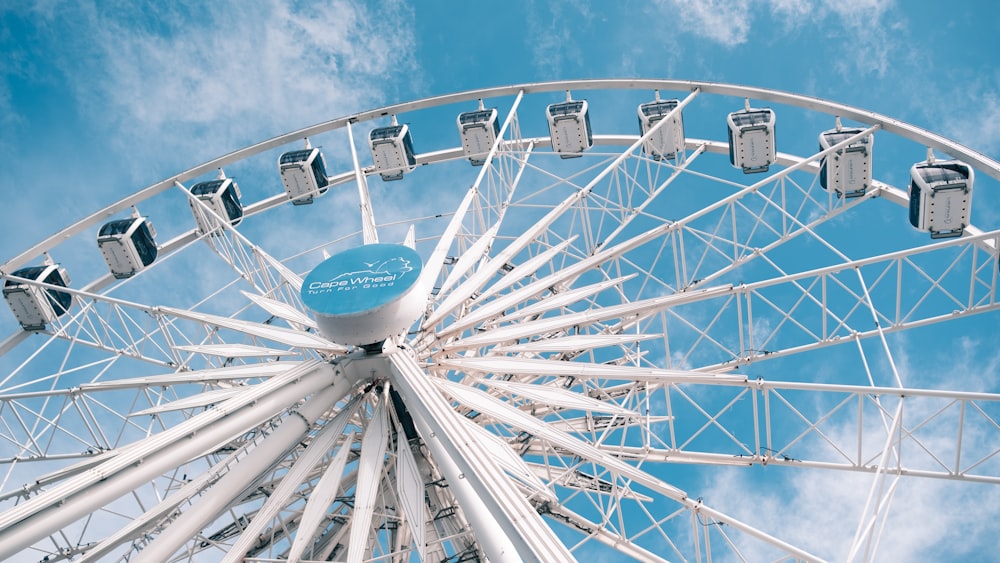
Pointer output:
x,y
246,473
142,462
318,447
436,260
371,465
367,215
507,527
483,275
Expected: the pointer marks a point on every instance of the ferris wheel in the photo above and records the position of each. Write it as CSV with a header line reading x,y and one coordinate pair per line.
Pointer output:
x,y
525,323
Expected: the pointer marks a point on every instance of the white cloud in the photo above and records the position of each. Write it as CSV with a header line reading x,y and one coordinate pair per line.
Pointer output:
x,y
857,10
153,88
869,41
792,8
11,68
819,511
147,90
8,117
722,21
975,118
857,27
223,74
929,519
553,39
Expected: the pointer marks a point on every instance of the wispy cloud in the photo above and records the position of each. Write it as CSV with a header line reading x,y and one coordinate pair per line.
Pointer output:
x,y
8,117
868,42
11,68
554,38
222,74
861,25
725,22
795,10
929,519
820,511
132,93
973,117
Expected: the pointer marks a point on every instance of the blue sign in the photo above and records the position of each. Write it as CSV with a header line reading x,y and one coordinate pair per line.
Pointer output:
x,y
361,279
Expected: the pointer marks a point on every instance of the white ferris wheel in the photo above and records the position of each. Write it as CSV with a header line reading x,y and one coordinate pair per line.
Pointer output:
x,y
526,323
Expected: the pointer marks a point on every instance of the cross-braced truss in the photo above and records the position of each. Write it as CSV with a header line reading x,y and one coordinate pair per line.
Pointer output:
x,y
596,329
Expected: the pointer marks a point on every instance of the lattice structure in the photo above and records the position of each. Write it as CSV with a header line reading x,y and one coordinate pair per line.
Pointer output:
x,y
598,332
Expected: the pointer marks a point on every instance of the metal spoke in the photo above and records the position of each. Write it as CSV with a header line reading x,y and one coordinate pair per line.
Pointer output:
x,y
597,340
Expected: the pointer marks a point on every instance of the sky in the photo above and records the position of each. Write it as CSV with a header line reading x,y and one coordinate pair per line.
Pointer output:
x,y
99,99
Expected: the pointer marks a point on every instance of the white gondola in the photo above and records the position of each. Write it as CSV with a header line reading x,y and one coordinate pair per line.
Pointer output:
x,y
479,130
941,197
34,306
303,172
668,140
127,245
847,171
392,151
751,139
222,196
569,127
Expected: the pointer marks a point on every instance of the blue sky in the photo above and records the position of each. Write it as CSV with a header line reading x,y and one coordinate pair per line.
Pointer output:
x,y
99,99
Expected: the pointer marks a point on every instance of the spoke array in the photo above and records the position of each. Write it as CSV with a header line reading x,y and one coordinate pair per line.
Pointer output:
x,y
591,326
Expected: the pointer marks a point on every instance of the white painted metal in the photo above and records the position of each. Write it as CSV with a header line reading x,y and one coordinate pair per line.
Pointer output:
x,y
200,376
582,361
502,411
320,500
475,253
546,303
523,270
200,400
577,342
923,136
505,524
509,460
410,487
246,473
577,479
161,510
367,214
636,309
411,238
373,447
482,276
320,446
64,503
555,397
289,337
436,260
236,351
281,310
570,272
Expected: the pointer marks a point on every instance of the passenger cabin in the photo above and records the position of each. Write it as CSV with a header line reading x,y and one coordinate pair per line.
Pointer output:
x,y
478,130
303,172
751,139
34,306
127,245
392,151
941,197
668,140
569,128
848,170
222,196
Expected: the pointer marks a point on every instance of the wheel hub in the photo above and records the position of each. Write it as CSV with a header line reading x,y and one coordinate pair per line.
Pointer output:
x,y
366,294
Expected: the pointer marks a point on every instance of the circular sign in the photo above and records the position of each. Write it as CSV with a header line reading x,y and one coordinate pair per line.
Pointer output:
x,y
364,295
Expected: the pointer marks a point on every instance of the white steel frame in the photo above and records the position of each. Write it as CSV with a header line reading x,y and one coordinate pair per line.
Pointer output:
x,y
571,355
